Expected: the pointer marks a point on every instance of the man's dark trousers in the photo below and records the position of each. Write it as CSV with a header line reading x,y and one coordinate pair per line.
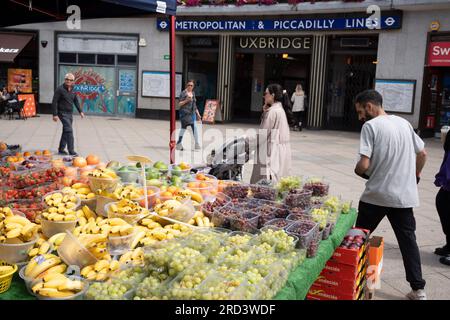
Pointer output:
x,y
404,226
67,133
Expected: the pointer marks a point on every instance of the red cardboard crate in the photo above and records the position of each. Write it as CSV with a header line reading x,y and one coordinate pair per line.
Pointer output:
x,y
327,280
334,270
351,256
318,293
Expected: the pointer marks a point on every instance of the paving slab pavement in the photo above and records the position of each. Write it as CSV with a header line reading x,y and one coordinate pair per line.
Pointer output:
x,y
329,154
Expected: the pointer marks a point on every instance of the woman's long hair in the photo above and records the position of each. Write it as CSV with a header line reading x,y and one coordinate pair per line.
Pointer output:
x,y
281,96
299,90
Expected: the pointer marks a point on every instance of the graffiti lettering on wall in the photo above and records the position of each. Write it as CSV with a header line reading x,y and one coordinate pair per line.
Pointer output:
x,y
94,87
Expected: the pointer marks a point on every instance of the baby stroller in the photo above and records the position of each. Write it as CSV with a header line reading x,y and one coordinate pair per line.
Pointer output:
x,y
226,162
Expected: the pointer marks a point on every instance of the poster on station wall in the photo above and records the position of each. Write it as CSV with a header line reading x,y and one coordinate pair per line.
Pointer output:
x,y
21,79
398,95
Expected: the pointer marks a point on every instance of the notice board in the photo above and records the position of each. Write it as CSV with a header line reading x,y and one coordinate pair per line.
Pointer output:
x,y
398,95
212,112
157,84
20,78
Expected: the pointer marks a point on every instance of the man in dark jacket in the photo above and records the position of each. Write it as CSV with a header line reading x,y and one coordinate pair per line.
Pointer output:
x,y
62,106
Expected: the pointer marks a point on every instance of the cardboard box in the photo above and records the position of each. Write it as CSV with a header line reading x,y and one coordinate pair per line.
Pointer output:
x,y
351,256
328,280
318,293
375,260
334,270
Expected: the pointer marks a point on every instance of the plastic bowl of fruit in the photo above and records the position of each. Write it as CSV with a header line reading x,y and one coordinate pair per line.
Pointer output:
x,y
220,201
28,280
153,193
72,252
16,251
78,286
177,170
104,184
48,200
131,218
206,189
121,244
50,228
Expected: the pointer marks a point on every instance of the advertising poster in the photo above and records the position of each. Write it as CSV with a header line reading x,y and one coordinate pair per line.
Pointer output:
x,y
21,79
94,86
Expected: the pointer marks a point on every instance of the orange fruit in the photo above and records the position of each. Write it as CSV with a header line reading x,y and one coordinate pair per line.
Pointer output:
x,y
92,160
47,153
173,190
200,176
38,153
150,192
203,185
166,194
10,159
3,146
192,185
20,159
79,162
26,154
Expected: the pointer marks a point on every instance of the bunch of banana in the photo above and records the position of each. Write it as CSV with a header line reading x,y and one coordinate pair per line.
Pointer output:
x,y
5,212
101,270
127,207
103,173
17,229
200,220
96,245
81,190
133,257
57,285
85,215
189,194
150,232
90,226
5,269
129,192
61,200
41,246
44,265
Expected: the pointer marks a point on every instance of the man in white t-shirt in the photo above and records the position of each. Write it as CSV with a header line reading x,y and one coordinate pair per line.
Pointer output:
x,y
392,157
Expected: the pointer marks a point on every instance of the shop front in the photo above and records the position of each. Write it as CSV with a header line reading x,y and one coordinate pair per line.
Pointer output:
x,y
436,90
19,61
105,69
333,57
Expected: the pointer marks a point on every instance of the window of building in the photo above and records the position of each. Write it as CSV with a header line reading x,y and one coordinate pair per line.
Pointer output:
x,y
126,60
66,57
86,58
105,59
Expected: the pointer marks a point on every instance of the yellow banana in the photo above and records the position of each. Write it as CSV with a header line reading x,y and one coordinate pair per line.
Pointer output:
x,y
17,219
71,285
126,257
55,282
30,229
99,265
14,233
53,272
125,230
91,275
88,212
114,265
44,248
86,270
47,264
116,222
33,252
138,238
79,185
57,238
54,293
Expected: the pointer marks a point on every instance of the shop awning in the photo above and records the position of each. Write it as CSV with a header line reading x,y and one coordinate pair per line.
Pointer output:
x,y
11,45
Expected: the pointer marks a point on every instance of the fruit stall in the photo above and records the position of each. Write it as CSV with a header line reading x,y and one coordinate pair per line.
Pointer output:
x,y
78,228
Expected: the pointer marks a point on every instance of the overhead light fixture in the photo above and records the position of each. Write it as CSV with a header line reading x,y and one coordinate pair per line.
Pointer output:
x,y
285,56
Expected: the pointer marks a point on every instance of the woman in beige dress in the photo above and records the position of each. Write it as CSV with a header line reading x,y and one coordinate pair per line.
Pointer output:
x,y
274,148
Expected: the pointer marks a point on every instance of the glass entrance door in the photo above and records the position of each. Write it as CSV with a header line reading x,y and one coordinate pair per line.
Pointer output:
x,y
126,91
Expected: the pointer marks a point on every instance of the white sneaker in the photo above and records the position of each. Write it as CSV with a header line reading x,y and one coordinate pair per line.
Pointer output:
x,y
417,295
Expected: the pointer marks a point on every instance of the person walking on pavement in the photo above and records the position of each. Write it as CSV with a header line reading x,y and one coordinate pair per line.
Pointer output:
x,y
188,114
392,157
62,106
298,107
443,201
274,142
